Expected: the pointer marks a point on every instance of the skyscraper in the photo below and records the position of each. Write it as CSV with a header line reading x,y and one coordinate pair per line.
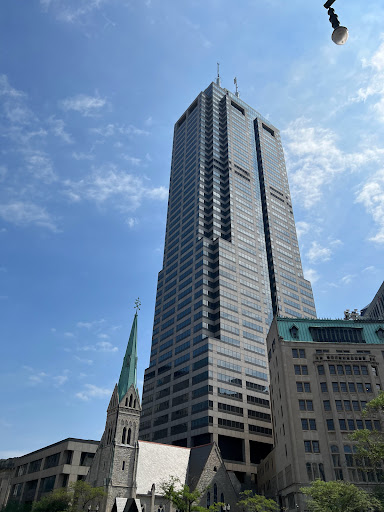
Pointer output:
x,y
231,259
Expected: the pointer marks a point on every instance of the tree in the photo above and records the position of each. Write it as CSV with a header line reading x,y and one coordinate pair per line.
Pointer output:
x,y
339,496
15,506
183,499
251,502
370,443
75,498
180,495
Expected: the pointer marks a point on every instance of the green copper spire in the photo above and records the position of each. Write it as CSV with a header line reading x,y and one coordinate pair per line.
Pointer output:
x,y
129,369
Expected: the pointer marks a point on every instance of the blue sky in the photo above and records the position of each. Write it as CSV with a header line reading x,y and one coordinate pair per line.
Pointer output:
x,y
89,93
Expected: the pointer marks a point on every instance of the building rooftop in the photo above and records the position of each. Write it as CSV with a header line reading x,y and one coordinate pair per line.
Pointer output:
x,y
331,331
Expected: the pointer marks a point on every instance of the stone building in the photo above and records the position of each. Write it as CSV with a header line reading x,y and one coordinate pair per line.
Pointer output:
x,y
44,470
375,309
132,471
323,372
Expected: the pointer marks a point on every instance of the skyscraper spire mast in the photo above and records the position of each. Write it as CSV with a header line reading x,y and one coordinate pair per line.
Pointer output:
x,y
128,374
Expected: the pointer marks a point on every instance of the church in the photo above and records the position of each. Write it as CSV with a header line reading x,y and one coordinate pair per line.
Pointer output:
x,y
132,471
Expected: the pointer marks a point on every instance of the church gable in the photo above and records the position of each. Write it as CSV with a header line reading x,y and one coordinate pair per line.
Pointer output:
x,y
131,399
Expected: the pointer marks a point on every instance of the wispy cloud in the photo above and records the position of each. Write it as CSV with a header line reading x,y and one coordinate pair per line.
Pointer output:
x,y
90,325
111,130
26,213
371,196
311,274
40,166
314,159
317,253
92,391
124,191
83,360
348,278
87,106
100,346
71,12
58,129
132,222
7,90
302,228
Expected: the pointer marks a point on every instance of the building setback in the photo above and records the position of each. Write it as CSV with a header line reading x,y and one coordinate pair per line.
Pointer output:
x,y
323,372
375,309
231,259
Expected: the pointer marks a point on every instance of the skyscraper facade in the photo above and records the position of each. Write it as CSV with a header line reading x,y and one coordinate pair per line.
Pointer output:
x,y
231,260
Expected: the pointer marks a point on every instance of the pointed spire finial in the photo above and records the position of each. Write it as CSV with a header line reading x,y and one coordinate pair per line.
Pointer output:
x,y
137,304
237,90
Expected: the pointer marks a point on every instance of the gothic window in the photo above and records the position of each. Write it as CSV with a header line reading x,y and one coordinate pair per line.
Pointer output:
x,y
294,332
129,436
222,501
123,465
380,333
160,508
215,493
126,402
124,435
134,404
130,401
142,507
208,499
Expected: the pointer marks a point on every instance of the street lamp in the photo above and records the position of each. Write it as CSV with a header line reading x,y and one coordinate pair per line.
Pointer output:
x,y
340,34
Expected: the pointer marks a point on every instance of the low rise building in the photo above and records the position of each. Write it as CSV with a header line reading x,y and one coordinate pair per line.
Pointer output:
x,y
323,373
49,468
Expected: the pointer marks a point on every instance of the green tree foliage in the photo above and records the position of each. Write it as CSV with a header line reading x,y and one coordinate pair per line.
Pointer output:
x,y
75,498
180,495
183,499
251,502
339,496
370,443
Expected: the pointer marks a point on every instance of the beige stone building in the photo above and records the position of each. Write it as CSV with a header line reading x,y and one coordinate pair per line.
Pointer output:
x,y
323,372
49,468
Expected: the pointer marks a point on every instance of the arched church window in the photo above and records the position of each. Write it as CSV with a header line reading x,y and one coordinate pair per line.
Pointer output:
x,y
124,435
160,508
142,507
134,404
215,493
126,402
222,501
130,401
129,436
208,499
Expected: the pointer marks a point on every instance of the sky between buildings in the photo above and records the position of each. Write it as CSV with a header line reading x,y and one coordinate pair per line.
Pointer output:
x,y
89,92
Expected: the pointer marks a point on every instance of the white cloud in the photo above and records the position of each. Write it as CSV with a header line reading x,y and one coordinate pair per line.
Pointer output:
x,y
40,166
131,221
111,130
7,90
317,253
24,214
100,346
86,105
371,196
314,159
371,268
302,228
82,156
60,379
348,278
125,191
58,129
85,361
90,325
92,391
132,160
103,336
37,378
69,335
311,274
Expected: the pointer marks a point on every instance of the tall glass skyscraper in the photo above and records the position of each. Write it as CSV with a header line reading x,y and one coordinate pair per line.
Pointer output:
x,y
231,260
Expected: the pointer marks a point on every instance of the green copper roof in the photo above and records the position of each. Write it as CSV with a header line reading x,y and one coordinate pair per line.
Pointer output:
x,y
129,368
370,331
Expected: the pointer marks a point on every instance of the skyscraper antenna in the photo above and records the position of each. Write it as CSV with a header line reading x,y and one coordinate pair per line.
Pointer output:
x,y
237,90
218,75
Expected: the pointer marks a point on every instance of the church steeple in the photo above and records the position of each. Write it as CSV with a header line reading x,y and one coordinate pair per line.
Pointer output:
x,y
128,374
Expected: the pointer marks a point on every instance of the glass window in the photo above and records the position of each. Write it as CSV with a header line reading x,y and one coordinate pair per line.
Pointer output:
x,y
356,370
327,405
299,387
316,446
302,405
342,424
359,424
332,369
360,387
355,405
335,387
352,387
320,369
368,387
307,446
343,387
304,424
312,424
339,405
307,387
309,405
348,369
330,424
351,424
347,405
340,369
323,387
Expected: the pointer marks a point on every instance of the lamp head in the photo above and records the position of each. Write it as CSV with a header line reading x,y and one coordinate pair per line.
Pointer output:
x,y
340,35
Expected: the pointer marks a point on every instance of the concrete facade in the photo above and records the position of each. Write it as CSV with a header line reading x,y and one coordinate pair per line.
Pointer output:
x,y
375,309
323,372
231,258
49,468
